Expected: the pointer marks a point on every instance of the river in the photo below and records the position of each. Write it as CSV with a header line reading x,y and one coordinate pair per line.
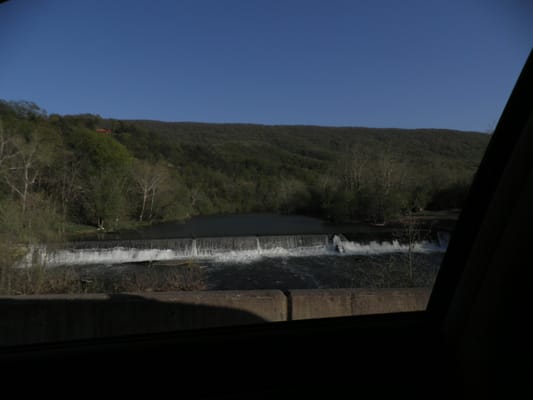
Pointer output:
x,y
247,225
254,251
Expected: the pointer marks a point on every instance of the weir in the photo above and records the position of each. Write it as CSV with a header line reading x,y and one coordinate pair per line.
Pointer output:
x,y
207,246
230,248
122,251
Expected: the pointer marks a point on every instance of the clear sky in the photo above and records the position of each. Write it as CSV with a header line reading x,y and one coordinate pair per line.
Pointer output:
x,y
407,64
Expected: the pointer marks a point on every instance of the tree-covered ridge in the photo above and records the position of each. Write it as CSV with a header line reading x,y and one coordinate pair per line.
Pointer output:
x,y
109,173
339,173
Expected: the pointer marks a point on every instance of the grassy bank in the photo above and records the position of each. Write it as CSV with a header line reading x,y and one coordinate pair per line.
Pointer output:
x,y
141,277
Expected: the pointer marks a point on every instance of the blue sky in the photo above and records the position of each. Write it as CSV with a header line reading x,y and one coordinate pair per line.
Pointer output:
x,y
406,64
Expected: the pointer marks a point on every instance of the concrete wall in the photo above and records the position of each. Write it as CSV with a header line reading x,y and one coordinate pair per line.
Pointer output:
x,y
324,303
49,318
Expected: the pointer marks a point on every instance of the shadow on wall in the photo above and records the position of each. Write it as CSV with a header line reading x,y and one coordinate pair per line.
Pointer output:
x,y
55,318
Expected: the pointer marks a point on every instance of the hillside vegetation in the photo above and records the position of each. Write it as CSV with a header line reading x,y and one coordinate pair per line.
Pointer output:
x,y
58,173
56,170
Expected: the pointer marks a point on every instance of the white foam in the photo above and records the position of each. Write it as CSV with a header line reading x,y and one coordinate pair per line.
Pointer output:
x,y
115,255
376,248
277,252
119,255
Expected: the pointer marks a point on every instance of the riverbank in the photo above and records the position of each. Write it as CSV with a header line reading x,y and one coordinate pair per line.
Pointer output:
x,y
373,257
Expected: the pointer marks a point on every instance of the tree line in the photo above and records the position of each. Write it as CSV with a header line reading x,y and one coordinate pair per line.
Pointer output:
x,y
58,170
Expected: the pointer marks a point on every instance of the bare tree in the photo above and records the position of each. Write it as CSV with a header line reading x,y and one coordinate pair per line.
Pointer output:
x,y
27,214
149,179
6,148
411,232
23,169
22,160
354,168
388,186
385,171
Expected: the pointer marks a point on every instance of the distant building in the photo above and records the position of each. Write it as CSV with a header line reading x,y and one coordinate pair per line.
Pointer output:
x,y
103,130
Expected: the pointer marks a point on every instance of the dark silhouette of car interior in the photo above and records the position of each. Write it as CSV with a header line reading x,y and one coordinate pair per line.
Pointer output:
x,y
471,341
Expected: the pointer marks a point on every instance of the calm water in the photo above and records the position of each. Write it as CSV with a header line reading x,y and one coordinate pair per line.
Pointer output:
x,y
245,225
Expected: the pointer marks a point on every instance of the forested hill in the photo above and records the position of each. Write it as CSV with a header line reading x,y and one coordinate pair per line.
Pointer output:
x,y
107,172
327,143
324,170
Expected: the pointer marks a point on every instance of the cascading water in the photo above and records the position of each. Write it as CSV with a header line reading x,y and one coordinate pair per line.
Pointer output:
x,y
212,246
342,245
292,241
235,249
123,251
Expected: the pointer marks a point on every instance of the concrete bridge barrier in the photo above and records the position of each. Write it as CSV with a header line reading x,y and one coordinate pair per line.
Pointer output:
x,y
325,303
54,318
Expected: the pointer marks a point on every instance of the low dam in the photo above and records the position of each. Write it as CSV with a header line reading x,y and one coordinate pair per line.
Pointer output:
x,y
232,248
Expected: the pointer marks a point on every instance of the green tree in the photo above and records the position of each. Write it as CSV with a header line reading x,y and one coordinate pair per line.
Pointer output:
x,y
105,166
105,199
